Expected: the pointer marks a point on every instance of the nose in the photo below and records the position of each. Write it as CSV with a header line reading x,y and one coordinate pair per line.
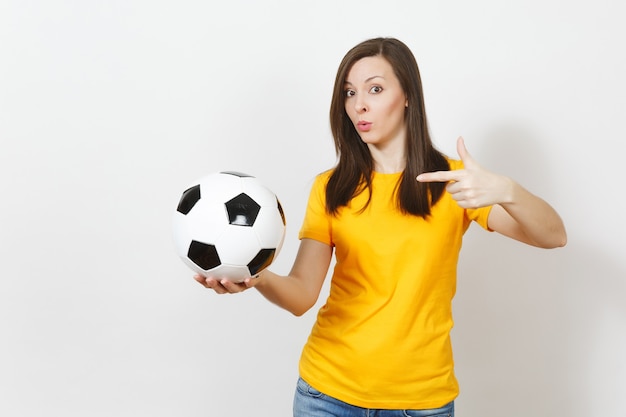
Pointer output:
x,y
360,104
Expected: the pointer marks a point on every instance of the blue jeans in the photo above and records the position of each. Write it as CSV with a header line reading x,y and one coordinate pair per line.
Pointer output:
x,y
309,402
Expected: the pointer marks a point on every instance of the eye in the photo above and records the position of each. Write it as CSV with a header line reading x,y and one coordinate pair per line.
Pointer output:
x,y
376,89
350,93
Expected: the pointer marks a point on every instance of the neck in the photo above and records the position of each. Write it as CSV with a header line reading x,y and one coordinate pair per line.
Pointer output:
x,y
388,169
388,163
388,158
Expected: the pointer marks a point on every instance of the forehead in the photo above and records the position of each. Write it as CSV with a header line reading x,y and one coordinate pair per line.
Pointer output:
x,y
366,68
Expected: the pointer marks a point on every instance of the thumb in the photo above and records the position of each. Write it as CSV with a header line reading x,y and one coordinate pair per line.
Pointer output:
x,y
463,152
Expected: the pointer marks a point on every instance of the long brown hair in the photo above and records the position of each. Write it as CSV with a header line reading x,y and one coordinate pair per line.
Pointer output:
x,y
353,172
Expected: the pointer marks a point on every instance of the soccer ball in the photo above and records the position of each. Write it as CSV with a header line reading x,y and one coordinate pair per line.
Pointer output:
x,y
228,225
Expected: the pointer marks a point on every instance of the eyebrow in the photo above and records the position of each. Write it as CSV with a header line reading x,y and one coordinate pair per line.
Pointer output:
x,y
367,80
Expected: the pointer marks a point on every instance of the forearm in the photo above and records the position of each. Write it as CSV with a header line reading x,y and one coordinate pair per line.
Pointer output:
x,y
287,292
536,221
296,292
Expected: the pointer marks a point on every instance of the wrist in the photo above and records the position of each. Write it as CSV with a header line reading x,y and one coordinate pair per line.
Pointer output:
x,y
510,190
259,279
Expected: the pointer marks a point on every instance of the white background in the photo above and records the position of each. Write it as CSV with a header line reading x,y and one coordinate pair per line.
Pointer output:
x,y
107,109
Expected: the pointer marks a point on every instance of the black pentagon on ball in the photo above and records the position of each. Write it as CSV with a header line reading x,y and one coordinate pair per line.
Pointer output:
x,y
204,255
242,210
189,199
262,260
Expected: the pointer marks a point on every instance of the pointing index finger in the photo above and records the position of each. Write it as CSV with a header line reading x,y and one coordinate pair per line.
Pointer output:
x,y
438,176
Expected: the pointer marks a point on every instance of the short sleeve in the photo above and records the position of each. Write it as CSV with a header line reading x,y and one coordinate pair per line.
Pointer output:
x,y
317,223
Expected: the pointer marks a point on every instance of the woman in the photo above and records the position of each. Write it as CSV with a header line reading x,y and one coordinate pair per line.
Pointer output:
x,y
393,210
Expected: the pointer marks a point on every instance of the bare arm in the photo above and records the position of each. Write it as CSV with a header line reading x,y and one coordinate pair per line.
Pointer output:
x,y
517,213
296,292
529,219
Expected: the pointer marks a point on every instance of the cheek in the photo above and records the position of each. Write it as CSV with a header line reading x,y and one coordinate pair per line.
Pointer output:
x,y
396,109
350,112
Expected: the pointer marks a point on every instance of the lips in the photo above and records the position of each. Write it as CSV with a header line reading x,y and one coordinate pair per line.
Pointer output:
x,y
364,126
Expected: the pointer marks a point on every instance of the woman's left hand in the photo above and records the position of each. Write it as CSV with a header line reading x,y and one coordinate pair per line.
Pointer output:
x,y
473,186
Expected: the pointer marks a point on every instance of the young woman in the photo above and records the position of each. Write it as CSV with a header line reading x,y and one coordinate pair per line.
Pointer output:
x,y
393,210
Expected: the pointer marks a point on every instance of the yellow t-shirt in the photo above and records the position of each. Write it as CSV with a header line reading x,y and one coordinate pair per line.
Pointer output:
x,y
382,340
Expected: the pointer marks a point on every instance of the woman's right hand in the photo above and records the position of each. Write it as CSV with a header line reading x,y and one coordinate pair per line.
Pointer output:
x,y
225,286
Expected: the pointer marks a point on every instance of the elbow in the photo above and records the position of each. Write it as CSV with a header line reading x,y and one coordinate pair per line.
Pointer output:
x,y
554,245
562,242
561,236
558,240
561,239
300,310
302,307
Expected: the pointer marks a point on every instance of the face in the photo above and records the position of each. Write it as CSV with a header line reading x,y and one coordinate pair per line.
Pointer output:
x,y
375,102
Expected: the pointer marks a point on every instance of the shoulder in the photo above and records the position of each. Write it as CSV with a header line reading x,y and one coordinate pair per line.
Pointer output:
x,y
321,179
319,182
325,175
